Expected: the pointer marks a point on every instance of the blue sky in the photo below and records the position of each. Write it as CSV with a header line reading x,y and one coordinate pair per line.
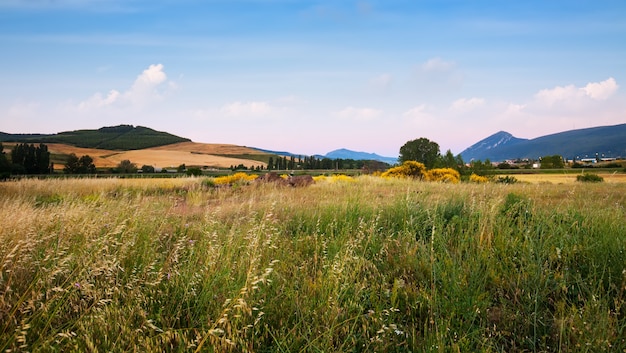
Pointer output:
x,y
313,76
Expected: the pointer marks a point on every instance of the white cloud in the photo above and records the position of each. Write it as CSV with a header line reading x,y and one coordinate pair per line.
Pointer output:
x,y
465,105
601,90
566,94
437,65
143,91
359,114
417,113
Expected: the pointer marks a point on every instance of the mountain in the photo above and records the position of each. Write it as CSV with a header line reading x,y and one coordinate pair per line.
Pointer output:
x,y
121,137
343,153
609,141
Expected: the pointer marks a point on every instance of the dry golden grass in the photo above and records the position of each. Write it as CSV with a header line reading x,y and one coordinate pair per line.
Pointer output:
x,y
188,153
566,178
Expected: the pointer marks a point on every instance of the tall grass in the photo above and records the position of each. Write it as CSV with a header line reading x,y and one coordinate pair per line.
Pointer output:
x,y
369,264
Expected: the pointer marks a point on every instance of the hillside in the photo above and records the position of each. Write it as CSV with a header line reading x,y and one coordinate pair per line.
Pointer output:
x,y
608,141
188,153
120,138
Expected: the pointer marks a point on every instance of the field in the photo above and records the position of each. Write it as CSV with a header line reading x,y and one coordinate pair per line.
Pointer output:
x,y
344,265
168,156
566,178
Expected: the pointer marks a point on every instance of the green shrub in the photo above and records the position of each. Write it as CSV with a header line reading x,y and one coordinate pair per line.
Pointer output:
x,y
507,180
589,178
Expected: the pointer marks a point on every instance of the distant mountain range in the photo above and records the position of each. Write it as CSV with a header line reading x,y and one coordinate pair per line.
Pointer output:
x,y
343,153
607,141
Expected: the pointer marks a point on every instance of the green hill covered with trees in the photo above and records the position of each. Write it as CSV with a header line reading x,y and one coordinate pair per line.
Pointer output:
x,y
121,137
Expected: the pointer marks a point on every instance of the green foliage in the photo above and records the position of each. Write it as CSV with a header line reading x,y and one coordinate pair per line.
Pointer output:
x,y
193,171
122,137
5,165
82,165
589,178
147,169
126,167
552,162
421,150
30,159
506,179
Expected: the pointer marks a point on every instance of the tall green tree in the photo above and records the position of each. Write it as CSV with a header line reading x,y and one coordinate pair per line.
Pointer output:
x,y
5,165
448,161
420,150
82,165
128,167
30,159
552,162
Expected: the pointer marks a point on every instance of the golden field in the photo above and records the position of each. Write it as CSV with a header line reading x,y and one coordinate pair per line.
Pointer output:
x,y
188,153
569,178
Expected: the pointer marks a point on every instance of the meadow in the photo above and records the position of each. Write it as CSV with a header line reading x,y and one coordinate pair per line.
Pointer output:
x,y
344,265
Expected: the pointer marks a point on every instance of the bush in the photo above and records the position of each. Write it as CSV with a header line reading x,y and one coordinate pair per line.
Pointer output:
x,y
589,178
193,172
408,169
507,180
475,178
446,175
237,178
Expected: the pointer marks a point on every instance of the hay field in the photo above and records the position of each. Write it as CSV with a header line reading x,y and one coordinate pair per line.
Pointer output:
x,y
569,178
188,153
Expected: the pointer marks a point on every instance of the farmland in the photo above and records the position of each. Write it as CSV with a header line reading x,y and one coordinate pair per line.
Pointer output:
x,y
346,264
168,156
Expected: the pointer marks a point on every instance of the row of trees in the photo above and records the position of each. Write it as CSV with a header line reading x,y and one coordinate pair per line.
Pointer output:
x,y
312,162
25,159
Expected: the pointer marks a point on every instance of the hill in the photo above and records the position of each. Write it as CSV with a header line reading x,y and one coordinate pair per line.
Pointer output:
x,y
169,156
119,138
608,141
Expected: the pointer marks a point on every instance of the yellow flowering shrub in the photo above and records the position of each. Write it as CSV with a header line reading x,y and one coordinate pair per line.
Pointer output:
x,y
408,169
447,175
334,178
474,178
234,178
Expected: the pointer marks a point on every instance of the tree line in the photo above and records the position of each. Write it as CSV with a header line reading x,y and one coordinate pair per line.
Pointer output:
x,y
315,163
25,159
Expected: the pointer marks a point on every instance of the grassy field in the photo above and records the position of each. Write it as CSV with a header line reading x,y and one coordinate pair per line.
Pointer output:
x,y
345,265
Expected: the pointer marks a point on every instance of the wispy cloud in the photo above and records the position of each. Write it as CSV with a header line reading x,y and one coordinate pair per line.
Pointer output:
x,y
358,114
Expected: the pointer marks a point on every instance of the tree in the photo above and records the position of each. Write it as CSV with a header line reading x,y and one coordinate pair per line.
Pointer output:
x,y
30,159
126,166
552,162
86,165
147,169
5,165
421,150
448,161
82,165
270,164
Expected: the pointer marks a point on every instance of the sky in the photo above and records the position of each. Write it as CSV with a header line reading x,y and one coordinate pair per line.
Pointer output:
x,y
312,76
